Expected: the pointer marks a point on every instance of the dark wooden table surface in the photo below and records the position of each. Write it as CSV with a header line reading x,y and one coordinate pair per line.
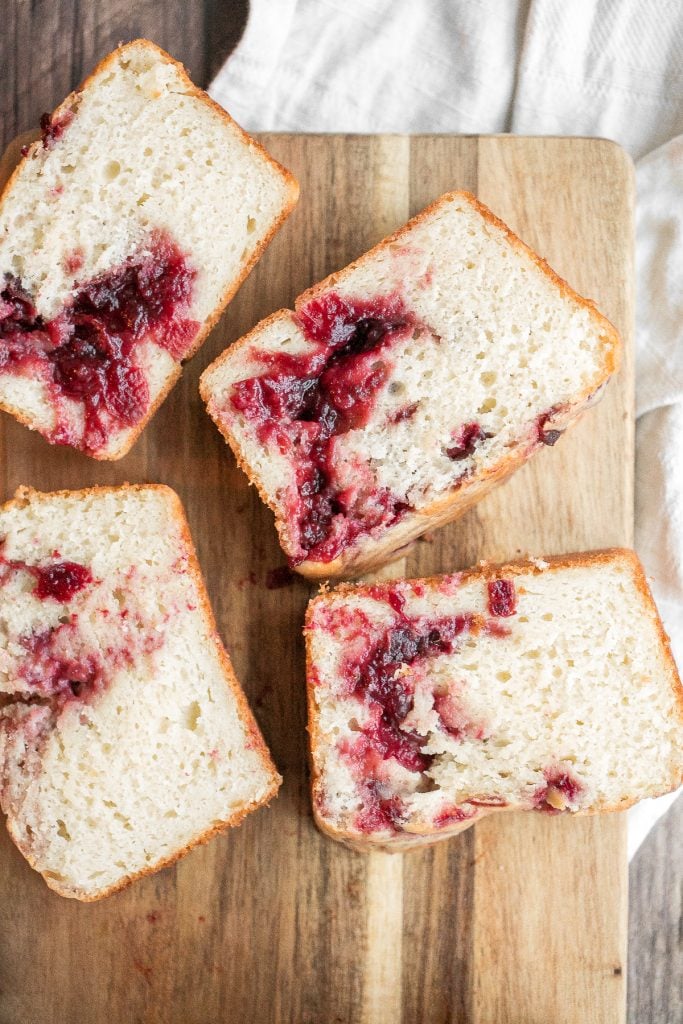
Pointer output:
x,y
46,48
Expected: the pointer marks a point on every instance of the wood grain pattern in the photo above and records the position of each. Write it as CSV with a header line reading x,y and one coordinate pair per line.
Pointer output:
x,y
585,501
655,975
521,919
48,46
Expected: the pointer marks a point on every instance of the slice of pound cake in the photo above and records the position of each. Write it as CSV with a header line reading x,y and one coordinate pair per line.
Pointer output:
x,y
542,685
406,385
124,232
125,738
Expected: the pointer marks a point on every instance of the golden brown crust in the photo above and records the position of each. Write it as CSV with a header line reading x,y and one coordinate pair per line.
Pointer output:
x,y
377,552
292,195
200,840
371,552
485,571
406,842
23,497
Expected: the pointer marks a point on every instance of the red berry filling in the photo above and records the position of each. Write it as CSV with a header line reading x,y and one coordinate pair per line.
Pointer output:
x,y
62,662
52,128
562,791
68,662
50,671
380,813
466,439
73,261
304,402
62,581
502,598
371,672
373,677
87,352
406,412
59,581
549,437
381,810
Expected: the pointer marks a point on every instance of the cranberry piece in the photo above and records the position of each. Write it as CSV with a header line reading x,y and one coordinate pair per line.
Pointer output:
x,y
406,412
397,602
379,814
502,598
381,810
350,325
263,399
53,128
303,402
561,787
390,741
73,262
61,581
17,314
466,440
87,352
372,675
495,628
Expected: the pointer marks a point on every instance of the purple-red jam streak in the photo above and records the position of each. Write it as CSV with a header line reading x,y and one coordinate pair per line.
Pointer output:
x,y
372,678
49,670
62,663
465,440
304,402
87,352
379,812
47,667
371,671
65,661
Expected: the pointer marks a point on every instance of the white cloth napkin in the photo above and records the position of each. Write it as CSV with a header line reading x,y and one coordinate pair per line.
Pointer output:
x,y
611,68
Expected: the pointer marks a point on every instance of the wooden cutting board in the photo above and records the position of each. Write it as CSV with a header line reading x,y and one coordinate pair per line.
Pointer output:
x,y
520,919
